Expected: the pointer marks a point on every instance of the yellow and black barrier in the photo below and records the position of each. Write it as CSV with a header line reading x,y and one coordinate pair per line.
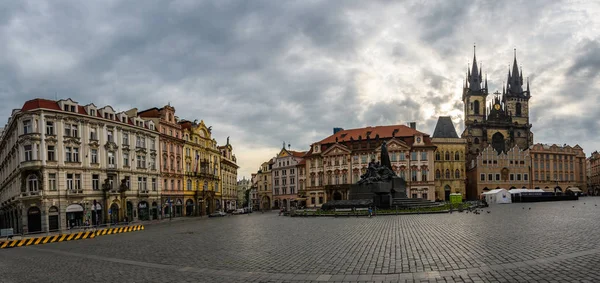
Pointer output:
x,y
117,230
47,239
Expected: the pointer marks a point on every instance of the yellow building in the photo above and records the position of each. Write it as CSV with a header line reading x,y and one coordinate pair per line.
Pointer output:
x,y
264,185
202,162
450,175
228,177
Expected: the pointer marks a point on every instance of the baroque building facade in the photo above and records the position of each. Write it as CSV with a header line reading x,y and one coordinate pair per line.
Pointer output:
x,y
201,168
229,169
504,123
65,164
450,166
244,187
285,177
171,151
254,199
338,161
264,185
558,168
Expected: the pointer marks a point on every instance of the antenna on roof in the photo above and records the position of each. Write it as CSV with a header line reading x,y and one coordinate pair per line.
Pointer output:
x,y
55,96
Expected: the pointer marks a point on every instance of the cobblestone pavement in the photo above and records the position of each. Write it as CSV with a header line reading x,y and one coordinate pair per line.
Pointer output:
x,y
551,242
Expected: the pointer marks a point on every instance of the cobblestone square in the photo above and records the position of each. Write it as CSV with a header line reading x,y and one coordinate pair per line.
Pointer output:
x,y
551,242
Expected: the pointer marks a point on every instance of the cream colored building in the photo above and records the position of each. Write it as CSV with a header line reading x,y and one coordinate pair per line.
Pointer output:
x,y
490,170
264,186
336,162
558,167
285,178
450,174
58,158
228,177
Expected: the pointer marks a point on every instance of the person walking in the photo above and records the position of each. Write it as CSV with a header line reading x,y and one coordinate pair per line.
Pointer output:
x,y
370,212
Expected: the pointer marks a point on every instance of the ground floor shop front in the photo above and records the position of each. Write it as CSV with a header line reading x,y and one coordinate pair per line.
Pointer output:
x,y
49,215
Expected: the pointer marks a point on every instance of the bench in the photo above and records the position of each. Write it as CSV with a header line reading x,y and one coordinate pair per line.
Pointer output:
x,y
343,210
8,233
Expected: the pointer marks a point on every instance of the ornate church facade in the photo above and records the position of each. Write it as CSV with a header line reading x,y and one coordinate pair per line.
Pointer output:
x,y
503,120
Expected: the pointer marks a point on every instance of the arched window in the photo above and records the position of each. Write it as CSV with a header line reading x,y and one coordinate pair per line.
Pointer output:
x,y
437,155
447,174
476,141
456,156
32,183
457,174
447,155
438,174
518,109
476,107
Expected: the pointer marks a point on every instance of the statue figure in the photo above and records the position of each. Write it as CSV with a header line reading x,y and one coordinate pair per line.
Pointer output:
x,y
385,157
378,172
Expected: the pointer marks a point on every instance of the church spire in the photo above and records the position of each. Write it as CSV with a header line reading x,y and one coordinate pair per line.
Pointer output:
x,y
475,75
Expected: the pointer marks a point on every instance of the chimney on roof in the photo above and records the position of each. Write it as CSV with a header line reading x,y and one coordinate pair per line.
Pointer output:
x,y
413,125
335,130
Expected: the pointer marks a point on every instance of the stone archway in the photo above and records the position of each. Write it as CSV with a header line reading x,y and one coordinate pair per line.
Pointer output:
x,y
266,202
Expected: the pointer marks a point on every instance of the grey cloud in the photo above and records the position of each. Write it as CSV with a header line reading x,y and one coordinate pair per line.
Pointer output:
x,y
266,71
587,62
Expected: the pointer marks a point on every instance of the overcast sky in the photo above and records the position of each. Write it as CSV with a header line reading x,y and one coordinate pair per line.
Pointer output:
x,y
264,72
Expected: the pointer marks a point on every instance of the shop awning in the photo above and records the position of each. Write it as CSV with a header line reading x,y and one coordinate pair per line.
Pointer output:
x,y
575,190
74,208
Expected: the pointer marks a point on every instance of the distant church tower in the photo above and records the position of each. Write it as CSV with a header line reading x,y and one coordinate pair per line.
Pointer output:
x,y
502,122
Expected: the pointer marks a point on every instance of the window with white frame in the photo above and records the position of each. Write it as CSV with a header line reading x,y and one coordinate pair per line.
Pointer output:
x,y
109,135
52,181
153,163
125,159
27,129
154,185
77,182
68,154
50,128
94,156
70,180
125,138
32,183
111,159
142,184
28,152
189,185
93,134
75,154
95,182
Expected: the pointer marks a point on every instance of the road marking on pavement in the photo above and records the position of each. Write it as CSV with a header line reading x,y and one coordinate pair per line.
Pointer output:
x,y
46,239
118,230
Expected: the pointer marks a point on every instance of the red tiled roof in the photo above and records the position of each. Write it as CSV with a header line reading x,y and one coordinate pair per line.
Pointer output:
x,y
382,131
297,153
302,162
53,105
40,103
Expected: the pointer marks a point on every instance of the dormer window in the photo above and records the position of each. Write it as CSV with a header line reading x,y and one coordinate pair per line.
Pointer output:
x,y
66,107
105,115
72,108
124,119
92,112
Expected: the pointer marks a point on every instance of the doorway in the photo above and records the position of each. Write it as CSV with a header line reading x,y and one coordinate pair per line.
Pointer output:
x,y
114,213
447,191
34,219
53,218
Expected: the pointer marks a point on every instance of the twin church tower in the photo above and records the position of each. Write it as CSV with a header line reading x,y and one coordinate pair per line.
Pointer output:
x,y
501,122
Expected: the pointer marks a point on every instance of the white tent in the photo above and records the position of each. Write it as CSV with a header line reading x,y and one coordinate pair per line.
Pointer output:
x,y
497,196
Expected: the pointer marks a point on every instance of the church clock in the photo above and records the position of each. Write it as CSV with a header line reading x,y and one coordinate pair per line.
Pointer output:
x,y
497,106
